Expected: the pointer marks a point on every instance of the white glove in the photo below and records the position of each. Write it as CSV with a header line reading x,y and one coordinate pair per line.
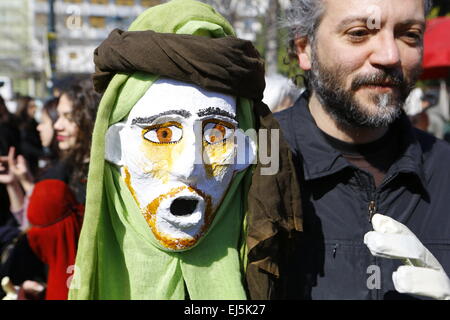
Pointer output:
x,y
422,274
10,289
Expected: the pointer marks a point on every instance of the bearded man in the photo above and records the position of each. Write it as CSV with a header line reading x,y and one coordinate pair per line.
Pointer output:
x,y
375,191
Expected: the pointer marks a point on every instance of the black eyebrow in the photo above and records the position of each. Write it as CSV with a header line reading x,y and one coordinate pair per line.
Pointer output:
x,y
216,111
365,19
411,22
183,113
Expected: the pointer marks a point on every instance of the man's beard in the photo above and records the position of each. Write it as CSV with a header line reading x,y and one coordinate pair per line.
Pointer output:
x,y
342,105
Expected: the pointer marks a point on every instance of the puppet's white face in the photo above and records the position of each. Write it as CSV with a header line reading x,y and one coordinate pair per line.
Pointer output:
x,y
177,157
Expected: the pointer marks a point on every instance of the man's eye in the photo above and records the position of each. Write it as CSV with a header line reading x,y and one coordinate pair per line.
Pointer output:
x,y
358,34
413,36
216,132
169,134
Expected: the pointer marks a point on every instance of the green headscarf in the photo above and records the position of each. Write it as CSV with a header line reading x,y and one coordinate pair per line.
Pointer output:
x,y
118,257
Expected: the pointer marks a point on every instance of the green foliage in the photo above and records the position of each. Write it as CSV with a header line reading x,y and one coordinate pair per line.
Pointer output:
x,y
287,66
260,41
442,7
434,13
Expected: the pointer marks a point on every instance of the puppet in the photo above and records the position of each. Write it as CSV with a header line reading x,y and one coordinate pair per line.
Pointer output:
x,y
166,197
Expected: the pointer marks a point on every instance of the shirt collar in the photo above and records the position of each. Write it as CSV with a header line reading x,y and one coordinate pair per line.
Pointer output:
x,y
320,159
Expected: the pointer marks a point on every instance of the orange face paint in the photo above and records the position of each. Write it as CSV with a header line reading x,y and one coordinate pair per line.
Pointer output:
x,y
128,183
167,241
161,154
150,211
160,150
161,157
218,148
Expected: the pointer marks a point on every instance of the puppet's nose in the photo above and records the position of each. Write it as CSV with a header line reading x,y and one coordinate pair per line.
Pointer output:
x,y
188,166
188,173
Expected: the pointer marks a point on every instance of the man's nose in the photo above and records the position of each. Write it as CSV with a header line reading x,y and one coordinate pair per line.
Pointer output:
x,y
386,53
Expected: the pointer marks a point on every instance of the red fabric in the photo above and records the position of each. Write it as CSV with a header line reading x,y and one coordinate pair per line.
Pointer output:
x,y
436,57
55,217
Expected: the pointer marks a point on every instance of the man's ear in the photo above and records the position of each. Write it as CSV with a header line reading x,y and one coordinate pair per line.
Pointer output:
x,y
113,144
303,48
246,149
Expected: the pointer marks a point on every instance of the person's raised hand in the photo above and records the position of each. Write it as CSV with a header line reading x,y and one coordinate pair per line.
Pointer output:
x,y
18,166
6,176
422,273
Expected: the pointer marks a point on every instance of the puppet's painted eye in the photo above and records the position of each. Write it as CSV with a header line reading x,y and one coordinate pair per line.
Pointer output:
x,y
166,134
217,132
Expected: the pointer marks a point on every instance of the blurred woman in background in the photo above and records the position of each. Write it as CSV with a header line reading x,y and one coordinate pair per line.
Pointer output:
x,y
57,203
77,109
19,168
47,135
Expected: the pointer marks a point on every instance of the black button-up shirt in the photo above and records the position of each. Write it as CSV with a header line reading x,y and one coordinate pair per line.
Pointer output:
x,y
332,261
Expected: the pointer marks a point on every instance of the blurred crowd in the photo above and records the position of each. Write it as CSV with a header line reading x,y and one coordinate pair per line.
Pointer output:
x,y
428,110
43,174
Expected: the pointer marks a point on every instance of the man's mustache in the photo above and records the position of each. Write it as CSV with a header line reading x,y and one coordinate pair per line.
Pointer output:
x,y
382,78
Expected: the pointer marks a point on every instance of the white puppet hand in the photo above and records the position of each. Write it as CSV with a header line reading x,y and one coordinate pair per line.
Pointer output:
x,y
422,274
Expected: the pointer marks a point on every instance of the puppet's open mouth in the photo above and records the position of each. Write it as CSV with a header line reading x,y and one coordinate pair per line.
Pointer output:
x,y
178,218
183,206
183,213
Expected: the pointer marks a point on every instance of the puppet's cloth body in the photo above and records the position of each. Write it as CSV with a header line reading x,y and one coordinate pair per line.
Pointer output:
x,y
118,257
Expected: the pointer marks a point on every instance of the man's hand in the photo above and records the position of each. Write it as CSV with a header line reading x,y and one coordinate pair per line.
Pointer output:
x,y
422,274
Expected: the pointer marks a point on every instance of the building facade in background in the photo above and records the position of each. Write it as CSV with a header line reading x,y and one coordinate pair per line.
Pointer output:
x,y
15,45
81,25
